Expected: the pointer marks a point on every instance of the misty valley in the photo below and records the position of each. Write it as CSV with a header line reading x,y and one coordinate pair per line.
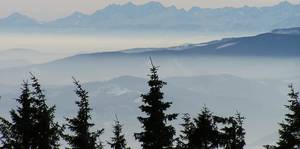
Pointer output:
x,y
251,81
150,75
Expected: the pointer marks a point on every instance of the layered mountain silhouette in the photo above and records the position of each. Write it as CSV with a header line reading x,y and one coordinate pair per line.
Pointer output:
x,y
278,43
154,16
185,59
17,19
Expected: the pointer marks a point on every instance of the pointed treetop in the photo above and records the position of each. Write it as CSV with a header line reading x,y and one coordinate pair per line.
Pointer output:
x,y
116,116
152,64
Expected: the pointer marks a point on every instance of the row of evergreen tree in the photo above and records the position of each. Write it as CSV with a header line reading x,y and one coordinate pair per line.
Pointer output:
x,y
32,124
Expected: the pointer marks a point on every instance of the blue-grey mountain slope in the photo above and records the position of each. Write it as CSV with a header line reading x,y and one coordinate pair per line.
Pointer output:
x,y
277,51
278,43
153,16
17,19
290,31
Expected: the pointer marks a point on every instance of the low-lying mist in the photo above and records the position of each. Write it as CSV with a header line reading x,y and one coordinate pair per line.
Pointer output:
x,y
82,43
255,86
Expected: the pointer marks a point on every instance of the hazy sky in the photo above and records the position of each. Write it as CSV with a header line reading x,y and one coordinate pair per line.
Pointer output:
x,y
51,9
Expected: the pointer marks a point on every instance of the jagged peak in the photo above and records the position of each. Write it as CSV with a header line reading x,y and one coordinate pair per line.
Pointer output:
x,y
153,3
130,4
284,3
77,14
16,15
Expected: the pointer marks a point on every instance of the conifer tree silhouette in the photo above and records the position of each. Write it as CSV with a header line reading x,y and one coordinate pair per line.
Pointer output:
x,y
18,133
233,136
206,134
6,136
156,134
83,137
189,127
290,128
118,141
32,125
203,133
47,132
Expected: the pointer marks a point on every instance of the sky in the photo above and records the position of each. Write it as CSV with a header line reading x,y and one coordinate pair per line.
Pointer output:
x,y
46,10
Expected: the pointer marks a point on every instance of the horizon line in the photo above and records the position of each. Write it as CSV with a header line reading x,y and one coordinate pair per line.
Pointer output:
x,y
139,5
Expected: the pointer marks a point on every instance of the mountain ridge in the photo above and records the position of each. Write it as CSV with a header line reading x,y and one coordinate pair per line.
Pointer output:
x,y
281,48
285,42
155,16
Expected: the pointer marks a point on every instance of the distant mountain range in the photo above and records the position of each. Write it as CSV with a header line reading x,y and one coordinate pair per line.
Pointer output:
x,y
154,16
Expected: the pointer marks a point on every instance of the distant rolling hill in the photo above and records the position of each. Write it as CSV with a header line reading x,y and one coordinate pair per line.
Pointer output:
x,y
278,43
227,55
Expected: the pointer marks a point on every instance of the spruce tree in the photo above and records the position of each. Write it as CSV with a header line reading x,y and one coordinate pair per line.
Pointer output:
x,y
184,141
290,128
83,137
47,132
206,134
233,136
23,122
240,131
156,134
118,141
32,125
6,135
